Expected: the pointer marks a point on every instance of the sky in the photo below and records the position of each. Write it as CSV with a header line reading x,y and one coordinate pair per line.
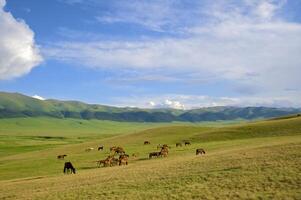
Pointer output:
x,y
162,53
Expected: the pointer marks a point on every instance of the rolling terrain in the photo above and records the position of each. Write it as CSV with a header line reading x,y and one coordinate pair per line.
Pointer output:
x,y
14,105
256,160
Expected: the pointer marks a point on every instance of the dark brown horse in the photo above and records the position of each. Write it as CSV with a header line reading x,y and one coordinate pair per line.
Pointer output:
x,y
61,157
178,144
199,151
100,148
187,143
146,142
68,167
154,154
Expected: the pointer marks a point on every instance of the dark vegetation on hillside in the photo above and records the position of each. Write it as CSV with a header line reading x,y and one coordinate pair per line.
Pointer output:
x,y
18,105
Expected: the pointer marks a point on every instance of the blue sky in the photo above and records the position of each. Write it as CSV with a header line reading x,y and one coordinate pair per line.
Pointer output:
x,y
161,53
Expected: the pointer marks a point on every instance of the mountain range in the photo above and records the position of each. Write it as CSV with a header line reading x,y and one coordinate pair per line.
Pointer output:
x,y
19,105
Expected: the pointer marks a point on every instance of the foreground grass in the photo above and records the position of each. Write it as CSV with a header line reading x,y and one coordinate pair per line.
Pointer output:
x,y
257,172
250,161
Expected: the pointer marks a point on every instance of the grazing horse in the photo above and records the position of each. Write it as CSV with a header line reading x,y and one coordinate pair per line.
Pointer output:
x,y
118,150
114,162
89,149
100,148
154,154
68,167
187,143
178,144
164,151
61,157
123,159
199,151
99,162
146,142
135,155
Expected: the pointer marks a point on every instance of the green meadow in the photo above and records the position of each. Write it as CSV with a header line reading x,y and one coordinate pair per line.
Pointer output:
x,y
243,160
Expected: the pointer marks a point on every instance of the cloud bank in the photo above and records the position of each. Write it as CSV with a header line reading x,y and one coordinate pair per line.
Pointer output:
x,y
18,51
38,97
248,43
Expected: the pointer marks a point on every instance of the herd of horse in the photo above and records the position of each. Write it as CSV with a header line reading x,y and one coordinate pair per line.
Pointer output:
x,y
122,158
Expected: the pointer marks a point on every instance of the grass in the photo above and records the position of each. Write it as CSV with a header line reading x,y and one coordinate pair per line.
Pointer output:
x,y
19,135
259,160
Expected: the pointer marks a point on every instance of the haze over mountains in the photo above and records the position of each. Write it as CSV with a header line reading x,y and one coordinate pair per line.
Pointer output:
x,y
18,105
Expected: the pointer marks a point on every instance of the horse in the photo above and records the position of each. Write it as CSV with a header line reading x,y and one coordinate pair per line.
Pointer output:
x,y
100,148
178,144
106,162
123,159
154,154
118,150
69,167
199,151
99,162
135,155
146,142
61,157
164,151
89,149
187,143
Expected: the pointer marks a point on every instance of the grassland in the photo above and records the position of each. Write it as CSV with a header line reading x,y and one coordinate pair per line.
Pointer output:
x,y
259,160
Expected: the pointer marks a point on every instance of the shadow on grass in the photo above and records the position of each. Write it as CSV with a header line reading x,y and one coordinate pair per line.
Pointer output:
x,y
94,167
143,159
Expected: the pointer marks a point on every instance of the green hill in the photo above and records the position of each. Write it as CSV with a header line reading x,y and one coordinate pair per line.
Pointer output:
x,y
258,160
18,105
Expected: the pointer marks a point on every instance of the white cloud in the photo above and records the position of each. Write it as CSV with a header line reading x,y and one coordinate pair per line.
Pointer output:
x,y
152,104
38,97
243,42
245,52
18,51
178,101
167,103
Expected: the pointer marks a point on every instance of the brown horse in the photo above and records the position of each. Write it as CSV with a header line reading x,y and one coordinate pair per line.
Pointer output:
x,y
187,143
68,167
114,162
199,151
178,144
89,149
123,159
61,157
154,154
100,148
135,155
99,162
113,148
164,152
118,150
146,142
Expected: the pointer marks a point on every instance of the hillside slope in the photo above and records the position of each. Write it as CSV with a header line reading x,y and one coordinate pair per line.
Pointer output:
x,y
18,105
249,161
